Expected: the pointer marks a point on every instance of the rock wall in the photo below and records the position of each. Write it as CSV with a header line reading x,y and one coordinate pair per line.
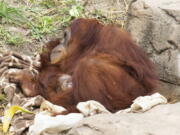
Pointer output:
x,y
155,25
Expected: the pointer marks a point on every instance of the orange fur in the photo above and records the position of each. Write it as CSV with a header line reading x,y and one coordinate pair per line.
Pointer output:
x,y
105,65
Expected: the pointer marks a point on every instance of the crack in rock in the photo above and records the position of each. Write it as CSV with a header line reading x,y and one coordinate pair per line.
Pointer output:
x,y
170,15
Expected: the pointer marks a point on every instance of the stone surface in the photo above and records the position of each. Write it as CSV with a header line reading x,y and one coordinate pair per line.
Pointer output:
x,y
161,120
155,25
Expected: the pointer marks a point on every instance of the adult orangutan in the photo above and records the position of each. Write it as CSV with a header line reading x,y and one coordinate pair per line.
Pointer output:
x,y
93,62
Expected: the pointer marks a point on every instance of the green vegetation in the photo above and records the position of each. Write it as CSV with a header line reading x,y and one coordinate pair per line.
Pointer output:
x,y
10,15
9,38
37,19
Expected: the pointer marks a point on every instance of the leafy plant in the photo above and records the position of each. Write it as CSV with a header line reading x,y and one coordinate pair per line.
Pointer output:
x,y
43,26
65,11
11,14
72,9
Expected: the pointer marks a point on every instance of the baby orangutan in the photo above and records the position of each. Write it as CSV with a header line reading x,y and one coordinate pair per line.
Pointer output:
x,y
62,81
49,81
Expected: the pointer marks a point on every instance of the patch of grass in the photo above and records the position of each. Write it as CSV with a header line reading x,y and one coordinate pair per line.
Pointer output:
x,y
57,14
10,38
44,25
15,40
10,14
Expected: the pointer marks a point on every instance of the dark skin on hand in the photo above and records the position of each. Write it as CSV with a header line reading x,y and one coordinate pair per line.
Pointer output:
x,y
93,62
